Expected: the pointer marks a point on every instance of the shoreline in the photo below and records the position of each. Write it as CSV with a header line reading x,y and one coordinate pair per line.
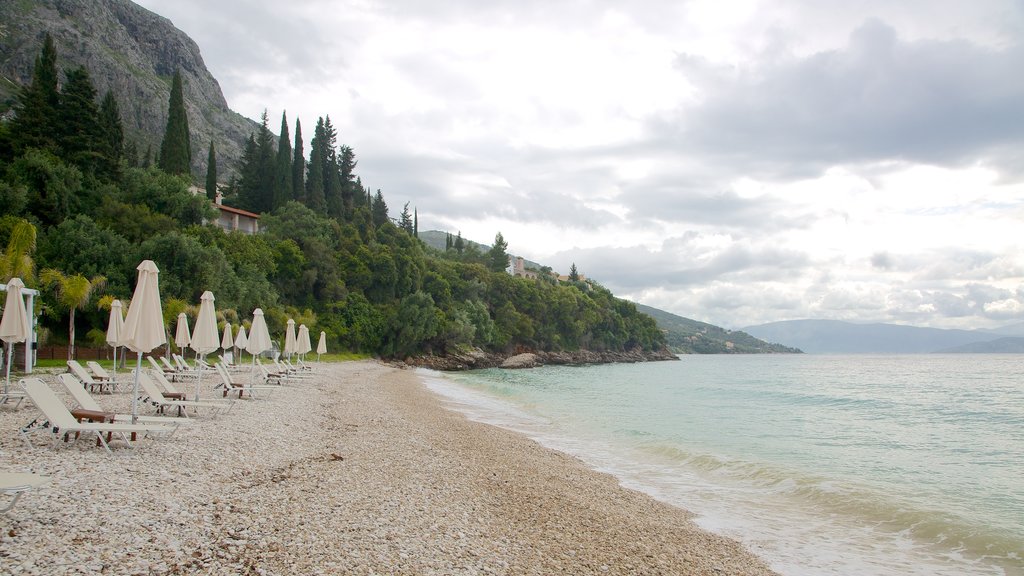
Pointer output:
x,y
359,470
478,359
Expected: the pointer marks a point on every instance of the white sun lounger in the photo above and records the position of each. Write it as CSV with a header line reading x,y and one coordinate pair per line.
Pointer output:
x,y
100,374
87,380
17,483
85,401
241,388
153,395
58,421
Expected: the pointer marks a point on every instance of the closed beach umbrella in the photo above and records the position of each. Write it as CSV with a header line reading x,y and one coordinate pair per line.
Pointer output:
x,y
303,346
241,341
227,341
181,335
115,325
144,325
289,339
205,338
14,325
259,338
321,347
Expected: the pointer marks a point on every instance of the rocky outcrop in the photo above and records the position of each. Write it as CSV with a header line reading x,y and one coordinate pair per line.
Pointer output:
x,y
477,359
132,52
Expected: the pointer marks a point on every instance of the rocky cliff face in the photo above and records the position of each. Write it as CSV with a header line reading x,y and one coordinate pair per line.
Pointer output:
x,y
133,52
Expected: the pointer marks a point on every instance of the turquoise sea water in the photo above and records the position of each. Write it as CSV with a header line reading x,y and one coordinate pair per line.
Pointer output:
x,y
820,464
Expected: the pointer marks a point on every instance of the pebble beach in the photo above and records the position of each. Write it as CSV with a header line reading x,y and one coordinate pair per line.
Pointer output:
x,y
355,469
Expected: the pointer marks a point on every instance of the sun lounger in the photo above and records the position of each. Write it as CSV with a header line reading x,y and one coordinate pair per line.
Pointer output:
x,y
88,408
292,369
229,385
86,379
58,421
100,374
267,375
153,395
17,483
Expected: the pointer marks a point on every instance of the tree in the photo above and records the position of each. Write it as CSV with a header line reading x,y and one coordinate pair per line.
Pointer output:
x,y
211,174
315,193
176,149
574,275
497,256
405,223
283,171
35,124
379,210
298,166
346,168
17,257
78,120
73,293
52,186
459,245
112,147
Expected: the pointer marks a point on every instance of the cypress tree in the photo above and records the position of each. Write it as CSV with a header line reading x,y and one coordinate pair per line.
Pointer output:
x,y
211,174
283,171
35,123
176,150
416,222
298,166
113,148
347,166
266,169
379,210
315,194
332,173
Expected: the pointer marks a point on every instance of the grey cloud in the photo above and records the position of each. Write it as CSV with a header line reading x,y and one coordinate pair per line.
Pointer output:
x,y
878,99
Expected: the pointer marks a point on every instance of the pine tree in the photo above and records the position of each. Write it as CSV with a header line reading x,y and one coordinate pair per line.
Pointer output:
x,y
379,210
448,242
211,174
176,150
574,275
298,166
460,245
112,135
405,221
36,121
78,120
416,222
332,173
497,256
283,171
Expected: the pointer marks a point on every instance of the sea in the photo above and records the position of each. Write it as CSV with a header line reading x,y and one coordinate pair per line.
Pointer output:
x,y
818,464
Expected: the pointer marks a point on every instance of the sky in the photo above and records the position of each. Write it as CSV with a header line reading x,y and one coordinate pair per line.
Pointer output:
x,y
735,162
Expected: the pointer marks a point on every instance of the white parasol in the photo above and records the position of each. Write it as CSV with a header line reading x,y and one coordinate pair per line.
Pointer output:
x,y
227,342
144,325
259,337
205,338
181,335
241,340
115,325
321,347
289,339
302,345
14,325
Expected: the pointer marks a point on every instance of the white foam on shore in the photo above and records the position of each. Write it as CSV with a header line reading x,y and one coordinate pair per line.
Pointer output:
x,y
773,524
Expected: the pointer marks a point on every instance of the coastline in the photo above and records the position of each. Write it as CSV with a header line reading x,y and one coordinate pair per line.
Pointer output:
x,y
358,470
479,359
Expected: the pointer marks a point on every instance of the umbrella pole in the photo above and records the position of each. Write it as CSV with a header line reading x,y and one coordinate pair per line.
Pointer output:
x,y
10,357
135,391
199,374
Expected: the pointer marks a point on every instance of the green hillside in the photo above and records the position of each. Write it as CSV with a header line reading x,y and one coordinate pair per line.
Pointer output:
x,y
686,336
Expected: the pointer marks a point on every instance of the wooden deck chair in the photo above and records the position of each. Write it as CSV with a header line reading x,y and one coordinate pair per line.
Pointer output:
x,y
58,421
100,374
87,380
85,402
152,394
241,388
17,483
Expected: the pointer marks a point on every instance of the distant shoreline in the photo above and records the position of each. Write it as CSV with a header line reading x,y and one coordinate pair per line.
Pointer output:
x,y
478,359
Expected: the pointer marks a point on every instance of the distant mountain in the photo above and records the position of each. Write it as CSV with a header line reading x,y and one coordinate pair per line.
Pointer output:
x,y
1011,330
686,336
437,239
1007,345
837,337
133,53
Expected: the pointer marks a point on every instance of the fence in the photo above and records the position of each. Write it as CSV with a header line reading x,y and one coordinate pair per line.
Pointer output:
x,y
88,353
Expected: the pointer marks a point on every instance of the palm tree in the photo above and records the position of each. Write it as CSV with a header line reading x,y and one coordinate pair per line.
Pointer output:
x,y
16,260
73,293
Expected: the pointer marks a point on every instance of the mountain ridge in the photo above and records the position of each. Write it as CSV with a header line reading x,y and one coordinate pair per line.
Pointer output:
x,y
133,53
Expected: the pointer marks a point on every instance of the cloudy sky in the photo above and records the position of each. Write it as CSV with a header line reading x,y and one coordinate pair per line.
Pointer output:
x,y
733,162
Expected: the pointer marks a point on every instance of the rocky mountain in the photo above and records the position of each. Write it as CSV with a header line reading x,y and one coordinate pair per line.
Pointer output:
x,y
132,52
